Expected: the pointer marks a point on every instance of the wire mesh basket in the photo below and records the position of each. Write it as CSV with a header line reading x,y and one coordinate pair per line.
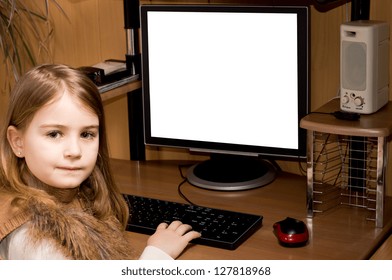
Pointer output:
x,y
344,172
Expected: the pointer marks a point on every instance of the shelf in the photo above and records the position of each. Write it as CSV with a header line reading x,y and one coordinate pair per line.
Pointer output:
x,y
378,124
120,91
347,161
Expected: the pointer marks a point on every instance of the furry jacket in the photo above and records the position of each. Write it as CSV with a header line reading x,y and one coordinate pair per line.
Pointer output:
x,y
64,229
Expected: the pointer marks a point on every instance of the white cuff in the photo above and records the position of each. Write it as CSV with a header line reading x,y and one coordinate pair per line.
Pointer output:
x,y
154,253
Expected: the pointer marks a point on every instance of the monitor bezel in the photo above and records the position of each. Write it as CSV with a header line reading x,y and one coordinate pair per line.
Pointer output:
x,y
226,148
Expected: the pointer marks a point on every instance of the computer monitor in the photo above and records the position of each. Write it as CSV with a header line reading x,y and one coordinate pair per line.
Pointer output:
x,y
226,80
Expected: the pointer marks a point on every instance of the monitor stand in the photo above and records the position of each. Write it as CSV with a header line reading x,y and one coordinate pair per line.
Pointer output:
x,y
231,173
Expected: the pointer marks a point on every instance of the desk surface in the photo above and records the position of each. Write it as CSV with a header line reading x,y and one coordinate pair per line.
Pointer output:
x,y
340,233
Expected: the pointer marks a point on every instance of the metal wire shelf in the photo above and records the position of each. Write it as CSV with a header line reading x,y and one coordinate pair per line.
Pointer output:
x,y
344,172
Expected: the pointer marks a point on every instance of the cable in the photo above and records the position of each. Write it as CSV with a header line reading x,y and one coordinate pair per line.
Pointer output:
x,y
180,193
302,170
180,166
341,115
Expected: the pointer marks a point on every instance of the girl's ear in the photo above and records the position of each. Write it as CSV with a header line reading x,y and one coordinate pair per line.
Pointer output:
x,y
15,139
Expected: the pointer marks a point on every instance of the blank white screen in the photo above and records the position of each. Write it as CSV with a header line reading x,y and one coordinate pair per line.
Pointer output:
x,y
224,77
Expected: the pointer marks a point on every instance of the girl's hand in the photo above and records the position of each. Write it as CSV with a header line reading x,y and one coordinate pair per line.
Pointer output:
x,y
173,238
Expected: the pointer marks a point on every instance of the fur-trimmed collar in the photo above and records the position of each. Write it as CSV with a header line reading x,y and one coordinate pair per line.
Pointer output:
x,y
79,235
76,233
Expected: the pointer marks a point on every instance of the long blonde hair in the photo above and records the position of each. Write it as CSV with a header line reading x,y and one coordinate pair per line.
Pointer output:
x,y
35,89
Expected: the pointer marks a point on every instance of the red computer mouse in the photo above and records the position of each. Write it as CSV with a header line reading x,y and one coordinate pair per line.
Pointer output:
x,y
291,232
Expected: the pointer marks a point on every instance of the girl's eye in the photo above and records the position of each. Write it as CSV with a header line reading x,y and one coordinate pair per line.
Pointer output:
x,y
54,134
88,134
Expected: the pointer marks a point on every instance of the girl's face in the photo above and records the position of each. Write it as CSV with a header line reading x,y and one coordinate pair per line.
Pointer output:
x,y
60,145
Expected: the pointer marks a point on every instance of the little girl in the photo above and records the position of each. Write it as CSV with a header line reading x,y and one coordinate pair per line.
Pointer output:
x,y
58,199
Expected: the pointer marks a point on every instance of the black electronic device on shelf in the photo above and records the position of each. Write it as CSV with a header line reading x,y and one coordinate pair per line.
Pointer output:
x,y
106,72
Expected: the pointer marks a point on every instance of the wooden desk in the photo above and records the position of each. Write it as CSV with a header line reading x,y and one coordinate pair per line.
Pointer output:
x,y
341,233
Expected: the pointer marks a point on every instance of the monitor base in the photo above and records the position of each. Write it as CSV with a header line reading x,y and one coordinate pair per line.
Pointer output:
x,y
228,174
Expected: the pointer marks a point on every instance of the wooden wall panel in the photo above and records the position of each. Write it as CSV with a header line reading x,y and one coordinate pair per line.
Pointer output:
x,y
112,35
77,38
324,68
95,32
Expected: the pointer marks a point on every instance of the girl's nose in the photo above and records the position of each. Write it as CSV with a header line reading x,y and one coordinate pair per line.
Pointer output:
x,y
73,149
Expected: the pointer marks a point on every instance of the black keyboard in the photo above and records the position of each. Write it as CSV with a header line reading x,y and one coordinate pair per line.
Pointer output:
x,y
219,228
